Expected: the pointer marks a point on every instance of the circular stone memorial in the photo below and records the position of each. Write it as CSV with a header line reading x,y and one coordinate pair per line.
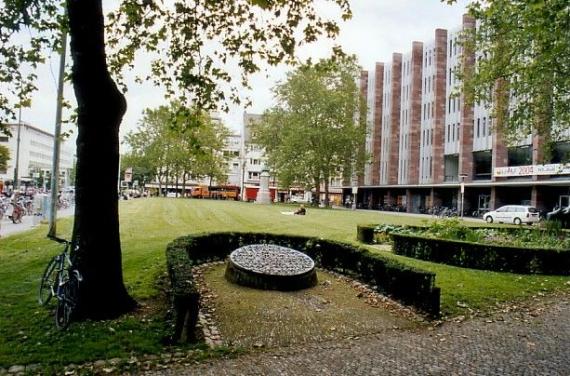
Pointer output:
x,y
271,267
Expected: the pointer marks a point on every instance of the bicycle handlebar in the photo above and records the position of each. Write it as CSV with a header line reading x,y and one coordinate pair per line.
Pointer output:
x,y
59,240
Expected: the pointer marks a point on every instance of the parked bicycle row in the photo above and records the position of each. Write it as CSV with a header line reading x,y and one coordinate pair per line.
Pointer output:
x,y
16,206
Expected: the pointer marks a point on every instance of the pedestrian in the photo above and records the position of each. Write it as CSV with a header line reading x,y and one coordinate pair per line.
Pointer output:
x,y
301,210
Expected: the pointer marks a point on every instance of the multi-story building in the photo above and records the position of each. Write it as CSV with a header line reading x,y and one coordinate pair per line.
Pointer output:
x,y
427,141
35,155
253,158
232,151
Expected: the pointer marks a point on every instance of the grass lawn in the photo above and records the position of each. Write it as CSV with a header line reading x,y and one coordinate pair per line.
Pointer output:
x,y
27,333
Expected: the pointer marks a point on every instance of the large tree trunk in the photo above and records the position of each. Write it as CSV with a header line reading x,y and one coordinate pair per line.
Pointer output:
x,y
317,198
100,109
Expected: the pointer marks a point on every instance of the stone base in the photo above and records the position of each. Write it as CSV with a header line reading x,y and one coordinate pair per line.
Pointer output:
x,y
248,278
263,197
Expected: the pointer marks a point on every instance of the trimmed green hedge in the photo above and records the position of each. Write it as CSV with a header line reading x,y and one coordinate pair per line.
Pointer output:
x,y
483,256
409,285
185,296
365,233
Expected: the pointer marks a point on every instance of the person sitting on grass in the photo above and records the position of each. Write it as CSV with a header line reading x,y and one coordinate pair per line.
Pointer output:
x,y
301,210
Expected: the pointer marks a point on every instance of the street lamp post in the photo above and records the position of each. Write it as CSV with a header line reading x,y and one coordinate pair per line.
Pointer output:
x,y
462,188
16,183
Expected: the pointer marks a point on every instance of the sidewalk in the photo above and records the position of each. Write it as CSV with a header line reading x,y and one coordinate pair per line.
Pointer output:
x,y
531,341
8,228
404,214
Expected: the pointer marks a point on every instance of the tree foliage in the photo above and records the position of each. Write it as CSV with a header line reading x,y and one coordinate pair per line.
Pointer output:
x,y
4,157
317,129
522,64
195,43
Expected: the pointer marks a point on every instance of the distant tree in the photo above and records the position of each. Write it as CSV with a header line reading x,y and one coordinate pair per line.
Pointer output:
x,y
4,157
317,128
141,172
522,68
210,161
174,143
148,144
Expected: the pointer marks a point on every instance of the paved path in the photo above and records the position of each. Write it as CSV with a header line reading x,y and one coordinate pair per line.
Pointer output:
x,y
535,342
404,214
8,228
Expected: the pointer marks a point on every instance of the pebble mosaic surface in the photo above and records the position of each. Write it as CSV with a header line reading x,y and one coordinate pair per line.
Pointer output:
x,y
272,259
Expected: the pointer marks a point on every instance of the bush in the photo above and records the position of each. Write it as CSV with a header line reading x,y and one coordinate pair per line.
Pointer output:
x,y
365,233
381,234
484,256
409,285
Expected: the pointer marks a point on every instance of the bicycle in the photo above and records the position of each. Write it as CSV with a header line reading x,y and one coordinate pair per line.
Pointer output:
x,y
61,280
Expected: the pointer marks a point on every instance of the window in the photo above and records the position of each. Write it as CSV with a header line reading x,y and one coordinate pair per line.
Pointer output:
x,y
3,138
478,125
484,124
448,132
450,47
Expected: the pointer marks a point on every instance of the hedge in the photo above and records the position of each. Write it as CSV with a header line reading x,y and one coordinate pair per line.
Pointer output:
x,y
483,256
365,233
409,285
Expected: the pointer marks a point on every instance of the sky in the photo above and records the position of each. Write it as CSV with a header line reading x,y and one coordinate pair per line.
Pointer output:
x,y
378,28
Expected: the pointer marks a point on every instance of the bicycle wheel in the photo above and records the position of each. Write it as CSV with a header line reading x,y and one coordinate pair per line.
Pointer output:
x,y
66,302
48,282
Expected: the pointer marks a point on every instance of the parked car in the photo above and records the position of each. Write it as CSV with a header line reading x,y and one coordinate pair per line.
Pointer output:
x,y
516,214
297,199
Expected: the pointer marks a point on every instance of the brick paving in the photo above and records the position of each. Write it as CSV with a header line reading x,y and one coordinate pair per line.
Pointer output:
x,y
521,342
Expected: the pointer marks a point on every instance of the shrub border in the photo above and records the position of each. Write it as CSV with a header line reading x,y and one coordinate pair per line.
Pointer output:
x,y
483,256
409,285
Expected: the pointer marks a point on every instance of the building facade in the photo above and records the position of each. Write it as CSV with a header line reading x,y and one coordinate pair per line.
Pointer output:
x,y
252,159
35,156
426,141
232,152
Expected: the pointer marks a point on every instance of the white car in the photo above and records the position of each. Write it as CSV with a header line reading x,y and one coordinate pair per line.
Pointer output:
x,y
516,214
297,199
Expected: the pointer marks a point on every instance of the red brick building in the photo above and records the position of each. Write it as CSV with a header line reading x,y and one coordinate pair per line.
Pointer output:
x,y
424,139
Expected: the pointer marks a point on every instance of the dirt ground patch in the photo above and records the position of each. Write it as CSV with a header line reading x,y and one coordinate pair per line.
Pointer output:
x,y
335,308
